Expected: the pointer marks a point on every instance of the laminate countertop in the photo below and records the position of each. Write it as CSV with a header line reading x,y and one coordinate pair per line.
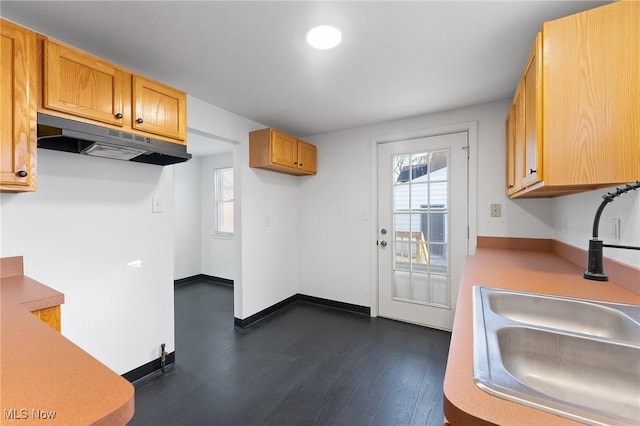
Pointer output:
x,y
534,271
45,378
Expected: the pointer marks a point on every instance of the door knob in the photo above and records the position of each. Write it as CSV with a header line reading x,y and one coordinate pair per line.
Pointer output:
x,y
383,243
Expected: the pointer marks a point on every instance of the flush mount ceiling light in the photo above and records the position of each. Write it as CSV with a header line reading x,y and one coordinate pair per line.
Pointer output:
x,y
324,37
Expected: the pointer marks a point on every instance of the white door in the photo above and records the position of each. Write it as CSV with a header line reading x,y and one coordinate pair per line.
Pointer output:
x,y
422,227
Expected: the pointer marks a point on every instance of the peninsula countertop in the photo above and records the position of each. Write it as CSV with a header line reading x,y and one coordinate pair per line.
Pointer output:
x,y
533,271
45,378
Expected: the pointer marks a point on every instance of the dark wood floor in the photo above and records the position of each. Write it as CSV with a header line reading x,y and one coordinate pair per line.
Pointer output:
x,y
306,365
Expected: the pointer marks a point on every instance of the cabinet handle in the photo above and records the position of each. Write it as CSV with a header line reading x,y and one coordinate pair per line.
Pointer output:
x,y
119,115
532,171
510,186
22,174
139,121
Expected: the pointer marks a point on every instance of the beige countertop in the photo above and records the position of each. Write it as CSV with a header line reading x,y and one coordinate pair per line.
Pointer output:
x,y
534,271
42,372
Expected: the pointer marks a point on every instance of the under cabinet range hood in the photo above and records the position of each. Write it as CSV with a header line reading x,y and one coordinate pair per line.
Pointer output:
x,y
61,134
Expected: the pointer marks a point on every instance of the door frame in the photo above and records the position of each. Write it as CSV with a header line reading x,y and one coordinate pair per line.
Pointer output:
x,y
471,127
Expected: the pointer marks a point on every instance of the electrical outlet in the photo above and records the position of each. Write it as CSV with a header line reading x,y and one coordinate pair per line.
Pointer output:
x,y
156,205
615,230
496,210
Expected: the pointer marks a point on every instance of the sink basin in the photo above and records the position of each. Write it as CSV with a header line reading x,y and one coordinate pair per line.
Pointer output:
x,y
576,315
572,357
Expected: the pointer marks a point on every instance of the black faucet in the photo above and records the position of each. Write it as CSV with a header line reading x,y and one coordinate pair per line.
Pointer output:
x,y
594,257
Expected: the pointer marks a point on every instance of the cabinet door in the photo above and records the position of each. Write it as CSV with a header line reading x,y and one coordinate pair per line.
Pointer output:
x,y
159,109
18,108
284,150
50,316
307,157
83,85
510,181
532,80
591,96
519,138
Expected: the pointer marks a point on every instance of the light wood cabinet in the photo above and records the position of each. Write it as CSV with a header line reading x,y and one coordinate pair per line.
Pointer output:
x,y
18,108
510,127
273,150
515,133
532,115
307,157
159,109
523,127
78,84
50,316
581,109
82,85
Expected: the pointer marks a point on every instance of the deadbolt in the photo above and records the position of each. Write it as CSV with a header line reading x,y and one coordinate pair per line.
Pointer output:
x,y
383,231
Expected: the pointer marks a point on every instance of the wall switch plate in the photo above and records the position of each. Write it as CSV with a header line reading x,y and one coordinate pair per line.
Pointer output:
x,y
496,210
156,205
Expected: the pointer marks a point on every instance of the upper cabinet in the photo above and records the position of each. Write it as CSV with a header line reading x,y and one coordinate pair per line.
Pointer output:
x,y
18,108
578,96
273,150
531,85
81,85
307,157
159,109
43,75
524,127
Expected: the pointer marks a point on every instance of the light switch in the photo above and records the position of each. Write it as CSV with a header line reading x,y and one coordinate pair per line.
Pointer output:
x,y
156,205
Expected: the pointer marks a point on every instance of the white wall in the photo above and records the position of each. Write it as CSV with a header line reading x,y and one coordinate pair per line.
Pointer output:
x,y
187,196
218,253
335,205
89,218
578,212
266,215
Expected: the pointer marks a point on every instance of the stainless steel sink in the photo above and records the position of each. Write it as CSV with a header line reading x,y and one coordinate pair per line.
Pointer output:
x,y
573,357
575,315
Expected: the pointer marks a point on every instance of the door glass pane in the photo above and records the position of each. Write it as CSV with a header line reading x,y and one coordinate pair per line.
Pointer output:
x,y
420,287
439,289
420,203
401,285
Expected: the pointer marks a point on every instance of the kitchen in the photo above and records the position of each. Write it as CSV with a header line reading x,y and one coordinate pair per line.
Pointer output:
x,y
88,219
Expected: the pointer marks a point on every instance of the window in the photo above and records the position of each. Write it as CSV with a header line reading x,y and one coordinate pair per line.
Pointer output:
x,y
224,201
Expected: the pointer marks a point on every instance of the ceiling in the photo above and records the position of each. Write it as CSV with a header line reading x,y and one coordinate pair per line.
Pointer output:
x,y
396,59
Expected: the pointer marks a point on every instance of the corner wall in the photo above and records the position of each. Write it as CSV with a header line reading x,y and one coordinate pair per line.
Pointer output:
x,y
187,183
218,253
266,215
90,218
